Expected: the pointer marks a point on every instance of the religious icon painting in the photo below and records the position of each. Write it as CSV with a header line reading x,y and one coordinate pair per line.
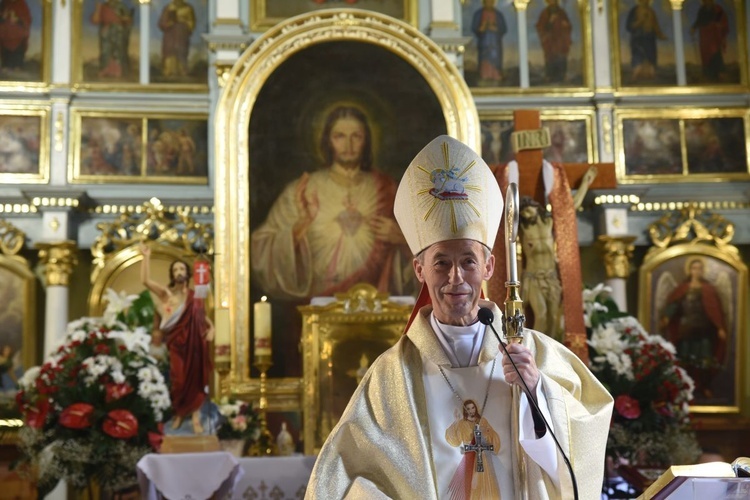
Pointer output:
x,y
650,147
25,30
109,148
557,41
267,13
571,135
645,43
694,296
133,148
682,145
714,44
17,344
24,148
177,150
716,146
178,53
106,42
491,58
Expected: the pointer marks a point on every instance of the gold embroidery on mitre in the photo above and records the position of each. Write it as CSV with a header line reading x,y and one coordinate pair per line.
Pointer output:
x,y
449,185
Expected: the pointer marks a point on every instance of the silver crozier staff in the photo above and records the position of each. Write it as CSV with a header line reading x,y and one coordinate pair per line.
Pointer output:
x,y
514,318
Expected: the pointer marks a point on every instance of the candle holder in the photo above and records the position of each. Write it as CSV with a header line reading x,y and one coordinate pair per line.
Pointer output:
x,y
265,445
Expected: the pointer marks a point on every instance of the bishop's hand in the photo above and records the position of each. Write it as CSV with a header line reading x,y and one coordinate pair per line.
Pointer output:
x,y
526,365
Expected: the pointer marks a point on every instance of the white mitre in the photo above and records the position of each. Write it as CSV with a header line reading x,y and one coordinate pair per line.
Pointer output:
x,y
448,193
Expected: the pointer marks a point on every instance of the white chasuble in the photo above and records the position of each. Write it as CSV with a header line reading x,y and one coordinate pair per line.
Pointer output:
x,y
393,440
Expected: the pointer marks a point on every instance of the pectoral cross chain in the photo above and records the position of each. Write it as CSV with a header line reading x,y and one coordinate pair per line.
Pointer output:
x,y
478,447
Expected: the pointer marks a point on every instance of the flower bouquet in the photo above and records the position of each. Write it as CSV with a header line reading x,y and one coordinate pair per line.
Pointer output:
x,y
95,407
239,420
651,418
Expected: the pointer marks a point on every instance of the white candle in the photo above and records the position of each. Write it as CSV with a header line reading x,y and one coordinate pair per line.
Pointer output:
x,y
262,310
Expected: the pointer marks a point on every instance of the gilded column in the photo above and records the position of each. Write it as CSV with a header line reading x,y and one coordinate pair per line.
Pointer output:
x,y
58,260
617,252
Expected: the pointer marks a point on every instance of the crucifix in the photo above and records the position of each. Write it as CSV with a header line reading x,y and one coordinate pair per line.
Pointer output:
x,y
529,140
478,448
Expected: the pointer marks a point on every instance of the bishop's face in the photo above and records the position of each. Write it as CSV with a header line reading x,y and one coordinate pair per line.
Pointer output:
x,y
453,272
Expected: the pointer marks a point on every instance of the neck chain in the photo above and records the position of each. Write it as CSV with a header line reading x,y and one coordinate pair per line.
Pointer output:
x,y
455,393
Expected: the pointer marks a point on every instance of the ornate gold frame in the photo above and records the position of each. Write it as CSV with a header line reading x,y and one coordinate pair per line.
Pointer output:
x,y
30,109
76,63
11,241
74,154
232,157
361,314
680,114
694,232
261,21
616,61
46,58
586,90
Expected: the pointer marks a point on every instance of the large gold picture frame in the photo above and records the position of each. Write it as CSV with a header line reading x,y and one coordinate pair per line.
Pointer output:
x,y
137,147
108,52
18,333
232,121
693,289
24,142
646,52
682,145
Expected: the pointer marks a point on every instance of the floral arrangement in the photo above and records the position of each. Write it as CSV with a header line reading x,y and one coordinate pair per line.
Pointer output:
x,y
239,421
96,405
651,418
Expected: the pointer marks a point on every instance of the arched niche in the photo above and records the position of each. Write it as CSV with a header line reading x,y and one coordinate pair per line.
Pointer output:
x,y
287,78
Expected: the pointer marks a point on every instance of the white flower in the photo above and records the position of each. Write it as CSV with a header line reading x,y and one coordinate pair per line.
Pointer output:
x,y
29,377
116,303
137,341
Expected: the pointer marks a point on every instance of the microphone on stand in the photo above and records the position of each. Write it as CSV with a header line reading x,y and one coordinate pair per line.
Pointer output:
x,y
486,317
514,319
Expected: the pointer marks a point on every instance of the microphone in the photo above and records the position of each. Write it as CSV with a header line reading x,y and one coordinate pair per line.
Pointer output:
x,y
486,317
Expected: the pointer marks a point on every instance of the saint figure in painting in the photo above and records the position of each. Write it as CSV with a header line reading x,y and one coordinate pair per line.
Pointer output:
x,y
333,228
15,27
712,25
489,27
644,29
177,22
554,29
696,324
115,21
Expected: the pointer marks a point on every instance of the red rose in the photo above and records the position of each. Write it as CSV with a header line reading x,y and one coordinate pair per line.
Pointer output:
x,y
117,391
36,415
120,424
77,416
101,349
627,407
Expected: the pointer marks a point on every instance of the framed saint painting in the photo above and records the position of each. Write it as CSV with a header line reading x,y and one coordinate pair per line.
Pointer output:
x,y
682,145
24,143
571,133
25,31
644,44
557,42
121,147
694,296
108,53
